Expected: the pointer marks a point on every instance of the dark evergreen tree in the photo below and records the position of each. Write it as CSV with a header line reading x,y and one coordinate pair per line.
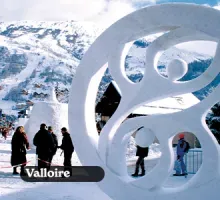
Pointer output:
x,y
213,121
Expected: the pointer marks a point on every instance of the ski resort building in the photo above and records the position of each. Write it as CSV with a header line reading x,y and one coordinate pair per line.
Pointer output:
x,y
110,100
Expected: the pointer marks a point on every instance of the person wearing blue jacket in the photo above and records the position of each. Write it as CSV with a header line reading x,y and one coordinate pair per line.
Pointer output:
x,y
181,150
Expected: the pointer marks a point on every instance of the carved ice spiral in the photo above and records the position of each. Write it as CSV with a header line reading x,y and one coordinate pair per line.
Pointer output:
x,y
185,22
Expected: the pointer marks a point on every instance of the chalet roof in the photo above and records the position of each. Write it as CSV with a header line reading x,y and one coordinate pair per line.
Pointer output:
x,y
21,104
168,105
111,98
116,87
22,111
109,101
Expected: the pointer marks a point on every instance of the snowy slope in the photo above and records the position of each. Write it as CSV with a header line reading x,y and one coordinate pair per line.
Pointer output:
x,y
35,56
41,53
137,56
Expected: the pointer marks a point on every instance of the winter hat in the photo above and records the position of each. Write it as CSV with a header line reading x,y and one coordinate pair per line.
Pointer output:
x,y
50,128
64,129
181,136
43,126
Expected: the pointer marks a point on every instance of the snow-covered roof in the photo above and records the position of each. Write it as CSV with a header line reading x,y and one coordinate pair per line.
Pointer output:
x,y
39,90
21,104
116,87
168,105
145,110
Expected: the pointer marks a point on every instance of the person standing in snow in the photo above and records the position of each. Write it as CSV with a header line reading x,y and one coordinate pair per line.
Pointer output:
x,y
181,150
142,152
67,147
50,130
43,140
19,144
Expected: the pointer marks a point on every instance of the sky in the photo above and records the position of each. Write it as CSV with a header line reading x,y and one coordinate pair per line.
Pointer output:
x,y
99,11
102,12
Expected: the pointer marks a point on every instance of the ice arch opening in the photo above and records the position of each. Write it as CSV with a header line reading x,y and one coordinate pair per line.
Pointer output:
x,y
213,121
132,156
198,59
192,159
134,57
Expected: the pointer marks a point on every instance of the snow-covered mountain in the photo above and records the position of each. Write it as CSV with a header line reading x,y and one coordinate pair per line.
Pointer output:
x,y
197,63
35,56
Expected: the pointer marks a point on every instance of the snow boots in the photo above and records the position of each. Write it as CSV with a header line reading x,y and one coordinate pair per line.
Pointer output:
x,y
184,174
136,173
140,162
142,173
23,173
15,171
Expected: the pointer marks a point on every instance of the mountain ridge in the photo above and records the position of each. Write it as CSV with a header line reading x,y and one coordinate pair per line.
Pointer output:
x,y
35,56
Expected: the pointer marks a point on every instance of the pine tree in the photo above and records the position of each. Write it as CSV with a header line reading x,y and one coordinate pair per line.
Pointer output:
x,y
213,121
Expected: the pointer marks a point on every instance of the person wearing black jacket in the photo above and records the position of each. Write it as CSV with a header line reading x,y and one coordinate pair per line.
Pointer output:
x,y
141,152
43,140
19,144
50,130
67,147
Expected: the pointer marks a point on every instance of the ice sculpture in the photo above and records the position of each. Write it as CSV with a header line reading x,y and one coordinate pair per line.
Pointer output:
x,y
185,22
176,69
144,137
50,112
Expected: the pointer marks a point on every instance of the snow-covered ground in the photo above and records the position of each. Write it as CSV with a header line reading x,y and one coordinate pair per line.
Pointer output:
x,y
12,187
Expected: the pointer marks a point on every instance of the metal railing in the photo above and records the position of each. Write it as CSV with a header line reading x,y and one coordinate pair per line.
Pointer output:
x,y
193,160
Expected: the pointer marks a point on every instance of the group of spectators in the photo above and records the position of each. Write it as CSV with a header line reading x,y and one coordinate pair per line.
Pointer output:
x,y
46,144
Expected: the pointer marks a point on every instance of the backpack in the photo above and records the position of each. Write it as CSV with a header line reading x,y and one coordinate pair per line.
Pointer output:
x,y
187,147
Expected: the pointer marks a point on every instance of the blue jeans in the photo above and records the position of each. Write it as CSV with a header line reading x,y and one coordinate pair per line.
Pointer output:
x,y
183,166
